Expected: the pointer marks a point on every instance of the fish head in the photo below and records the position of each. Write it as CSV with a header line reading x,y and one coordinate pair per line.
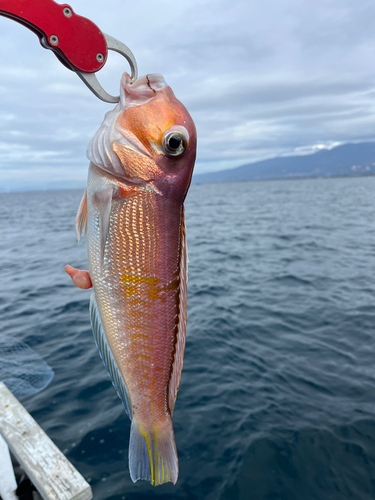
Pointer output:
x,y
149,139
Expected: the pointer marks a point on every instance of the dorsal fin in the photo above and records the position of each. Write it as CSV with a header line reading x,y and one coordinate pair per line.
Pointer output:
x,y
81,218
181,334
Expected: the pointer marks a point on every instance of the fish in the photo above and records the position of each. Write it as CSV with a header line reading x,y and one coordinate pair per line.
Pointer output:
x,y
132,212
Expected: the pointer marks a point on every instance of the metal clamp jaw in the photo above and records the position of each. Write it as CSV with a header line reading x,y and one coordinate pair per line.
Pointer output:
x,y
90,79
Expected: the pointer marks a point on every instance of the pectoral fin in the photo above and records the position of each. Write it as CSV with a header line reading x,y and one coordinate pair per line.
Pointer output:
x,y
103,199
81,218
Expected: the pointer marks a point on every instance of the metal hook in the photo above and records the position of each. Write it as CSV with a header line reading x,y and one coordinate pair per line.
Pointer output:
x,y
90,79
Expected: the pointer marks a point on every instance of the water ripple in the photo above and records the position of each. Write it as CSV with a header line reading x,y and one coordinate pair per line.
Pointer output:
x,y
277,394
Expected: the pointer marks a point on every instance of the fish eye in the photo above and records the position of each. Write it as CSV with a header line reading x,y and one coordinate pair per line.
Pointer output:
x,y
175,141
174,144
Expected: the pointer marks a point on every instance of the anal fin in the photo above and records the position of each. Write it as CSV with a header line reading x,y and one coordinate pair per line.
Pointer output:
x,y
108,358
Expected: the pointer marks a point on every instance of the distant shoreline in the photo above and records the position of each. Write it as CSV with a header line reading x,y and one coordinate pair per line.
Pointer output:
x,y
197,183
347,160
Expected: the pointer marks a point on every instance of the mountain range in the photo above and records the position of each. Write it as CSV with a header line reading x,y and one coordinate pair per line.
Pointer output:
x,y
345,160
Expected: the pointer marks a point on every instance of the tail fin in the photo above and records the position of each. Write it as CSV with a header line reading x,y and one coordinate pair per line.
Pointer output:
x,y
153,457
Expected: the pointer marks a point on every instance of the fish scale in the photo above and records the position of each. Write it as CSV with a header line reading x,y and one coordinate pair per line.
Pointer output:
x,y
134,252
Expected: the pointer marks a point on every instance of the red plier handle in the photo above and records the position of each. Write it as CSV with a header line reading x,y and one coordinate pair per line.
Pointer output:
x,y
76,41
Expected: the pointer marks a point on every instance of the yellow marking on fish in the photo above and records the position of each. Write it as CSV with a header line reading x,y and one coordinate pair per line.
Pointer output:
x,y
144,347
149,456
141,336
130,290
143,356
173,285
160,461
125,278
132,284
153,293
156,457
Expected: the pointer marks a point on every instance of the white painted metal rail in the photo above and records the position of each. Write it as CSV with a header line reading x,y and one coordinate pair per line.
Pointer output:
x,y
49,470
8,483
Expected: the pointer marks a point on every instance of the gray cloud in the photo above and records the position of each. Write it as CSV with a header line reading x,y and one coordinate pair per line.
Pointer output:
x,y
260,79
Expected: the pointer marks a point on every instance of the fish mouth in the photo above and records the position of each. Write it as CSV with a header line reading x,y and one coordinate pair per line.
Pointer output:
x,y
143,90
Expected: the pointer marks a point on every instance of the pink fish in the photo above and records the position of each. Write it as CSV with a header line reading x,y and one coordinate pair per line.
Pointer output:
x,y
142,160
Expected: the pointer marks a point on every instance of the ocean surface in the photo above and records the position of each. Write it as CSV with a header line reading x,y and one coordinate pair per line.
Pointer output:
x,y
277,399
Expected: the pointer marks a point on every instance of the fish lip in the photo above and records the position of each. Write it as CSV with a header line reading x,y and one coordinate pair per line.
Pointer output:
x,y
141,91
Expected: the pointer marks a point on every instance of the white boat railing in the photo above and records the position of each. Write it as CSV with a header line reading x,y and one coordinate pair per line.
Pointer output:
x,y
8,482
48,469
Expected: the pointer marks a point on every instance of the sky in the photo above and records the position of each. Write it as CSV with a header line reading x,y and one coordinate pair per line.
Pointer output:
x,y
260,79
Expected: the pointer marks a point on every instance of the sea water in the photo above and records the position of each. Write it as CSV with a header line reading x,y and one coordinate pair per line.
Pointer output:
x,y
277,397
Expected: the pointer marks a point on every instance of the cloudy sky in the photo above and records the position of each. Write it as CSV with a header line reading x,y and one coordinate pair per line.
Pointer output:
x,y
260,78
